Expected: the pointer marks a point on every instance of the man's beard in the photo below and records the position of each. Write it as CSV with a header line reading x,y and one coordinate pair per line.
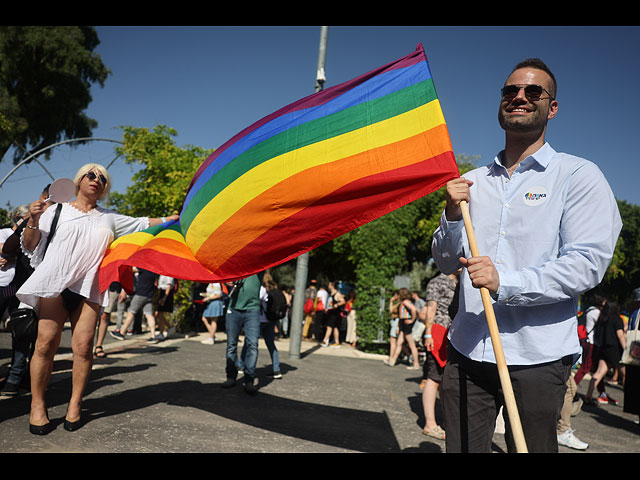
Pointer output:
x,y
533,122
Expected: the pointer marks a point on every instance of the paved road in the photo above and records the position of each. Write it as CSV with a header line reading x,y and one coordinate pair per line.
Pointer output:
x,y
168,398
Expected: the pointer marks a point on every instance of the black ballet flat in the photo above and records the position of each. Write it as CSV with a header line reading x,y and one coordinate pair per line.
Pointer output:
x,y
72,426
40,429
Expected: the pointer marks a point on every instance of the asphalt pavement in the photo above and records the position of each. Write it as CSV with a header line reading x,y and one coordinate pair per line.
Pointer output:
x,y
167,398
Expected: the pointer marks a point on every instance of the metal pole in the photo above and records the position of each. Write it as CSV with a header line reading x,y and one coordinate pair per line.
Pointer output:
x,y
50,147
302,265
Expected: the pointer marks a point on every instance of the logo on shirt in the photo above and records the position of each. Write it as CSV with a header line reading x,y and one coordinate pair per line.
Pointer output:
x,y
535,196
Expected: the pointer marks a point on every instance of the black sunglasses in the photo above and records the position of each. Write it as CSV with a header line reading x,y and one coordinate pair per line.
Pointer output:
x,y
101,178
532,92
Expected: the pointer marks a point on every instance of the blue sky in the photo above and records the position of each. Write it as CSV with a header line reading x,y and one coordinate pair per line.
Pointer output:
x,y
209,83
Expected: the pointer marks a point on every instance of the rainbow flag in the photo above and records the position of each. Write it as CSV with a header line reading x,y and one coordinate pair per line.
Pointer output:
x,y
304,175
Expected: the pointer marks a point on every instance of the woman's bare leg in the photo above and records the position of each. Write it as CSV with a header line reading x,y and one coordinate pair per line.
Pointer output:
x,y
52,317
83,326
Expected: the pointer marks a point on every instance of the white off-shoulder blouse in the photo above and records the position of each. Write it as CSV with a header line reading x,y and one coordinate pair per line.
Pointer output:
x,y
74,255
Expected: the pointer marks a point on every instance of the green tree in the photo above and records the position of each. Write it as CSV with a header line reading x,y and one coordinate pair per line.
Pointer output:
x,y
159,185
45,77
5,218
623,275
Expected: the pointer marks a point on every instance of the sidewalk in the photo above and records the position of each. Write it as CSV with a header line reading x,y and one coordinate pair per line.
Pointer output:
x,y
167,397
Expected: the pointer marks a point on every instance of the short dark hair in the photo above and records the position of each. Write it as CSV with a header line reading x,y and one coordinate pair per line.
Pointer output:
x,y
540,65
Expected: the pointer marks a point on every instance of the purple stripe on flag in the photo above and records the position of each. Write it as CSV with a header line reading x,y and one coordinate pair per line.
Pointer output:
x,y
316,99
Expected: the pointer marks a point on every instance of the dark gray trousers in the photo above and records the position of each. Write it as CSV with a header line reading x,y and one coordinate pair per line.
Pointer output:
x,y
472,396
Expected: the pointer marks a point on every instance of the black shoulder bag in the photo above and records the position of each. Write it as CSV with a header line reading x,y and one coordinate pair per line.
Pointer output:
x,y
23,322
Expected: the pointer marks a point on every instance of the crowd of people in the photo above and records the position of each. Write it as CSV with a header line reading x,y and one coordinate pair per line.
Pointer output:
x,y
532,271
329,315
256,307
417,331
602,329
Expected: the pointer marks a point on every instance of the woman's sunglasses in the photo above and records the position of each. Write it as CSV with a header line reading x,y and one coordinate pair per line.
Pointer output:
x,y
532,92
101,178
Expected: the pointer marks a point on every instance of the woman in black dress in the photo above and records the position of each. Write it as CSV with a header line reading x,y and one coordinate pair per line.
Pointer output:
x,y
610,341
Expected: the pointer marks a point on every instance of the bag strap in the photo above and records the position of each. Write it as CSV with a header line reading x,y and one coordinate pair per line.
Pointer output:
x,y
635,321
54,225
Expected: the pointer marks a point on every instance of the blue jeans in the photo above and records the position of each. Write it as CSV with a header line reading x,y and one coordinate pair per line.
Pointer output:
x,y
235,321
21,353
269,334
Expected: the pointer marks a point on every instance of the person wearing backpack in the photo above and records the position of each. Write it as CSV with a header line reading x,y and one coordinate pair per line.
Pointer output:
x,y
274,307
610,340
586,324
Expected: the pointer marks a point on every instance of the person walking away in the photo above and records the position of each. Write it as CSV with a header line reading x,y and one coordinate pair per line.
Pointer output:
x,y
243,313
610,340
593,304
166,289
565,434
275,308
142,301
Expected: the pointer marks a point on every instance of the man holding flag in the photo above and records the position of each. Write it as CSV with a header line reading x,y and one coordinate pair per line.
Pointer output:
x,y
548,224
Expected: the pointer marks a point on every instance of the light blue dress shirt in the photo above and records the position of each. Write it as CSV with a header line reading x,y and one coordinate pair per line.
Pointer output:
x,y
551,230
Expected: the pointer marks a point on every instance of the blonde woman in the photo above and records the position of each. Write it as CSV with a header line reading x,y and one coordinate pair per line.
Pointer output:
x,y
65,283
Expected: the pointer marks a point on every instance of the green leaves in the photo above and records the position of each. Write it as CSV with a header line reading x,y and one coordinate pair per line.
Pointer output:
x,y
160,185
45,77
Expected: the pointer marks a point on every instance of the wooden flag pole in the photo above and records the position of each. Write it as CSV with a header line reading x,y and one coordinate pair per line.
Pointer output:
x,y
503,372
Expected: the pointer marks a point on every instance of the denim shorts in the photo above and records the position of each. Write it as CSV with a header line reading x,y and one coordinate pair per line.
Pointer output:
x,y
393,331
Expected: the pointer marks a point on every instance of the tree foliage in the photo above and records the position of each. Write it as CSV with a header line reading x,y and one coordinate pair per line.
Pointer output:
x,y
159,185
45,77
623,275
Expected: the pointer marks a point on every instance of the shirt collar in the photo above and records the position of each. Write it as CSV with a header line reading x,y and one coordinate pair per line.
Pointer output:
x,y
543,157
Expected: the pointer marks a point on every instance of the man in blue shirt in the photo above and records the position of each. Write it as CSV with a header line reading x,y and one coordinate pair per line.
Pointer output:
x,y
546,224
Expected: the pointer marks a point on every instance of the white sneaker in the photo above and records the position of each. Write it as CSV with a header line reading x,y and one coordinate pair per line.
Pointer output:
x,y
208,341
568,439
